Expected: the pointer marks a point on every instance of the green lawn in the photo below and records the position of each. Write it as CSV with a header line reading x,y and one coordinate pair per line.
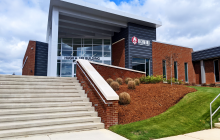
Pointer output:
x,y
189,115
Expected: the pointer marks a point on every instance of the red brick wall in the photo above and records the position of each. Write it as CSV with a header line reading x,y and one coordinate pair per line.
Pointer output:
x,y
108,113
209,71
29,66
118,53
160,50
197,69
114,73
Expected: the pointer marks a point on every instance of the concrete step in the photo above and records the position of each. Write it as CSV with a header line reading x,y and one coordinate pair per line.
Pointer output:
x,y
47,122
31,91
40,116
39,80
41,95
38,87
217,125
50,129
41,100
35,77
44,110
43,105
38,83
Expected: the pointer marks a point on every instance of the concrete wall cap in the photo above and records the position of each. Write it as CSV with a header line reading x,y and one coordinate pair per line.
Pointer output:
x,y
99,81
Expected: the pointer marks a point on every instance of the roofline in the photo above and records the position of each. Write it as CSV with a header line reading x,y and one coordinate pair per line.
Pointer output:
x,y
206,49
171,44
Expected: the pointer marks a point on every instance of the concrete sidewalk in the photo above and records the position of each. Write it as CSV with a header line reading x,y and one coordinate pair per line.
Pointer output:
x,y
211,134
101,134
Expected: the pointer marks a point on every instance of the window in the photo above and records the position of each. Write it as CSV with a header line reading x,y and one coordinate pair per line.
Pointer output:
x,y
186,72
216,70
175,71
141,64
164,70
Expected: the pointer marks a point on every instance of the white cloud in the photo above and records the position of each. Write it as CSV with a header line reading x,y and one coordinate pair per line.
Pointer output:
x,y
189,23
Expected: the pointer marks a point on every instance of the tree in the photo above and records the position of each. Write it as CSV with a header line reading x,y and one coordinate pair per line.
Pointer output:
x,y
170,59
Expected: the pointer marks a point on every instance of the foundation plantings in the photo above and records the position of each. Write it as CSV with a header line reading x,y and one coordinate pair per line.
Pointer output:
x,y
137,82
119,80
131,85
115,85
124,98
128,79
109,81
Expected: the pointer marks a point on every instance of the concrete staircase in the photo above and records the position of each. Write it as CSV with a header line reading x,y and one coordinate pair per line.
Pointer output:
x,y
217,125
42,105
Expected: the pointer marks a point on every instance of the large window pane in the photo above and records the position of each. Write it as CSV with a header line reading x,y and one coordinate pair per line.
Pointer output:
x,y
175,70
216,66
107,62
59,46
107,48
107,41
77,53
138,60
97,47
76,47
186,72
67,47
107,54
67,41
88,41
67,53
147,66
97,41
97,54
77,41
87,48
59,40
87,53
139,67
164,70
58,53
58,69
66,69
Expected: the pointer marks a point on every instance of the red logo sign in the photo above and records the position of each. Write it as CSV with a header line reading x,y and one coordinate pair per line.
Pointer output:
x,y
134,40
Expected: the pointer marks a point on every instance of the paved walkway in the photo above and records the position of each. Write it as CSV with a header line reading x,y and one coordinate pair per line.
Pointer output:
x,y
101,134
211,134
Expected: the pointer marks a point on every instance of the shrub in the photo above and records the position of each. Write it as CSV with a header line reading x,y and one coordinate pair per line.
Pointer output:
x,y
180,82
142,80
127,80
124,98
151,79
204,85
115,85
212,85
119,80
109,81
131,85
173,81
137,82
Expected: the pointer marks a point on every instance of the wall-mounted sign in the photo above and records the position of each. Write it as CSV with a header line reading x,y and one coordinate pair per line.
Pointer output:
x,y
135,40
86,58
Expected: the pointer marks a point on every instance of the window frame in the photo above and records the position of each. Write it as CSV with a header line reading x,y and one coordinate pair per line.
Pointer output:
x,y
186,70
218,70
176,70
165,68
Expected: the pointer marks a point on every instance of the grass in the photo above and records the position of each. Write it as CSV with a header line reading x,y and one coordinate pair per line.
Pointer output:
x,y
191,114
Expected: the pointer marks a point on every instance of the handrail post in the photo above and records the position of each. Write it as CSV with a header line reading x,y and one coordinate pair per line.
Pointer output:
x,y
211,114
214,111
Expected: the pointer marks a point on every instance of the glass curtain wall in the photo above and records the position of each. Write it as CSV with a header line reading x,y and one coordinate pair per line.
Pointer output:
x,y
141,64
81,47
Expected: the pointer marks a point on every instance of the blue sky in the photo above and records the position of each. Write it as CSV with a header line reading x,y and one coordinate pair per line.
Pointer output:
x,y
189,23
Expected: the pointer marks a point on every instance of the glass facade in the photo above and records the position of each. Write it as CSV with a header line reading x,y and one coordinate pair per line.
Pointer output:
x,y
141,64
84,48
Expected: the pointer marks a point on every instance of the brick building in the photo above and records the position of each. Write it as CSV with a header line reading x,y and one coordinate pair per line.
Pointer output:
x,y
84,31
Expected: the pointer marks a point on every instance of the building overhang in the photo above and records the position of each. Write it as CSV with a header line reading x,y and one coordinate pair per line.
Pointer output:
x,y
78,18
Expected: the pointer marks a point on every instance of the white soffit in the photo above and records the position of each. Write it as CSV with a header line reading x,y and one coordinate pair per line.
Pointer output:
x,y
102,12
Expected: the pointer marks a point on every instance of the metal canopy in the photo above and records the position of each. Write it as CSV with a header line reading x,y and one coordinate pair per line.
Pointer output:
x,y
78,18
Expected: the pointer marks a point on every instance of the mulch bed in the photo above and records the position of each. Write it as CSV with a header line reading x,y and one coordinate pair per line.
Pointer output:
x,y
149,100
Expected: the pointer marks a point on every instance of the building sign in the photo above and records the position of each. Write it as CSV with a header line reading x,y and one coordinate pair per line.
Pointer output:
x,y
135,40
86,58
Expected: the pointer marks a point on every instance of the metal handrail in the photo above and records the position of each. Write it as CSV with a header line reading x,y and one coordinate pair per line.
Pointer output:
x,y
212,114
93,85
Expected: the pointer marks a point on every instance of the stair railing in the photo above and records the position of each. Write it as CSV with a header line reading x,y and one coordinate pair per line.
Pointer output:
x,y
212,114
93,85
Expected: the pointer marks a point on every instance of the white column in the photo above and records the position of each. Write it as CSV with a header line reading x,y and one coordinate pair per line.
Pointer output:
x,y
203,77
53,41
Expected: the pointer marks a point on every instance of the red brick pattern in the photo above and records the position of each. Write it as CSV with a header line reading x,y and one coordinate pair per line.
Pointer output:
x,y
197,69
160,50
108,113
118,53
209,71
114,73
30,63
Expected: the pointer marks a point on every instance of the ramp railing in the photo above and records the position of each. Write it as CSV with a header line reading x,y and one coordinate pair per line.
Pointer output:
x,y
212,114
